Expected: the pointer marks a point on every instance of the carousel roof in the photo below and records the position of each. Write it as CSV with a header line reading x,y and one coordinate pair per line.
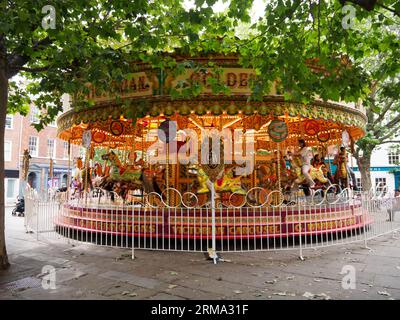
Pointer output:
x,y
145,101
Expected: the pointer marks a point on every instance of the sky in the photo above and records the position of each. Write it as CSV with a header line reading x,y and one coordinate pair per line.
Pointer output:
x,y
256,11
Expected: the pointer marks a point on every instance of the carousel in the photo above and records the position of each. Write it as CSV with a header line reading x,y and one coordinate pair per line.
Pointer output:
x,y
268,168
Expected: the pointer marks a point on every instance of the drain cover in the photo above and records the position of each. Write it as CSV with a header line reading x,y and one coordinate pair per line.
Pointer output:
x,y
24,283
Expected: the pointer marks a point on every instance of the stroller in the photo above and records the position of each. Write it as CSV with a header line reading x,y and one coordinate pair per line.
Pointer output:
x,y
19,207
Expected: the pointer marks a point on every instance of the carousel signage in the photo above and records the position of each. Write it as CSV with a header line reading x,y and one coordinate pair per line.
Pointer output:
x,y
238,80
140,84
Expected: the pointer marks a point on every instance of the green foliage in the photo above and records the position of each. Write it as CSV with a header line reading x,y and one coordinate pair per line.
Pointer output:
x,y
94,42
301,43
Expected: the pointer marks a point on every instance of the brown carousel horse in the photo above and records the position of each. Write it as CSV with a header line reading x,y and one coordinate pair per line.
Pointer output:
x,y
123,179
267,174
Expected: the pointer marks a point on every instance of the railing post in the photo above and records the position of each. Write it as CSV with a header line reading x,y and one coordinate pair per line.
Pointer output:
x,y
300,231
213,254
37,218
133,228
214,247
365,210
395,206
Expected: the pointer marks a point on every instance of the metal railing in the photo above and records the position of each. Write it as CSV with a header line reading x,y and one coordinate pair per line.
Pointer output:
x,y
272,224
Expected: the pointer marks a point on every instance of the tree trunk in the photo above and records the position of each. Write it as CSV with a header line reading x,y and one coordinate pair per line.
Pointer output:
x,y
3,112
364,164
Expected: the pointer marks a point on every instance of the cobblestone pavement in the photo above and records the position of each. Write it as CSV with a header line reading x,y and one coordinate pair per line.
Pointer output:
x,y
86,271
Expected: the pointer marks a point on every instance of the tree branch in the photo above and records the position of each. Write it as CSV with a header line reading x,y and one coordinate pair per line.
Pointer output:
x,y
34,70
369,5
383,112
370,116
16,61
390,134
389,9
391,141
394,122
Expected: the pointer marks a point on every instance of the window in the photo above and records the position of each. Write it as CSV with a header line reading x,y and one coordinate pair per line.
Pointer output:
x,y
394,156
11,188
358,182
380,184
7,150
50,148
65,153
33,146
9,121
34,114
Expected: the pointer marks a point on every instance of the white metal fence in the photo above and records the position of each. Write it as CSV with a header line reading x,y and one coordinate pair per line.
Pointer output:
x,y
298,224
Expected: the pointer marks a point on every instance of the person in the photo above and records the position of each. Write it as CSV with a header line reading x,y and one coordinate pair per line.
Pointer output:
x,y
326,170
343,170
316,161
288,160
353,178
75,186
305,156
63,188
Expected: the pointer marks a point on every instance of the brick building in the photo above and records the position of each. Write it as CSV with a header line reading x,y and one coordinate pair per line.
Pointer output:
x,y
42,146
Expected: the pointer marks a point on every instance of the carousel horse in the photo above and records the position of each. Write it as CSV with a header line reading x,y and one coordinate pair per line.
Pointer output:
x,y
227,183
129,173
316,174
268,177
99,175
83,179
122,179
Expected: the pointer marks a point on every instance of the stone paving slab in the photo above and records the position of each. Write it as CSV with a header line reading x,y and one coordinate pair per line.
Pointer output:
x,y
85,271
135,280
165,296
44,258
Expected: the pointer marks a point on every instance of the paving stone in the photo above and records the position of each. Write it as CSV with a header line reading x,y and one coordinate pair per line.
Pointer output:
x,y
136,280
44,258
64,275
165,296
87,271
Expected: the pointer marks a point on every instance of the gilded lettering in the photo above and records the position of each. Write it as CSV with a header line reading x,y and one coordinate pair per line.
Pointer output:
x,y
243,80
231,79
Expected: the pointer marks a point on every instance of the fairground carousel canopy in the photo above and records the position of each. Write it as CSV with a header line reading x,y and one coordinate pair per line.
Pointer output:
x,y
122,117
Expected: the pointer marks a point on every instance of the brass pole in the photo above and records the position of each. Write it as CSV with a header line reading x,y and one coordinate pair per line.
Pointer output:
x,y
69,170
167,172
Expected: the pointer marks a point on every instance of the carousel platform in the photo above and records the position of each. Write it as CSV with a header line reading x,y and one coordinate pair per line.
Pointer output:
x,y
230,223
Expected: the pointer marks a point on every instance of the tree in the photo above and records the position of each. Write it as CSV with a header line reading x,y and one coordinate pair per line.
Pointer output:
x,y
292,33
383,113
62,47
95,42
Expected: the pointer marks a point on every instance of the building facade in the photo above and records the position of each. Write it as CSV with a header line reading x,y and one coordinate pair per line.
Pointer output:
x,y
43,146
12,146
385,167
